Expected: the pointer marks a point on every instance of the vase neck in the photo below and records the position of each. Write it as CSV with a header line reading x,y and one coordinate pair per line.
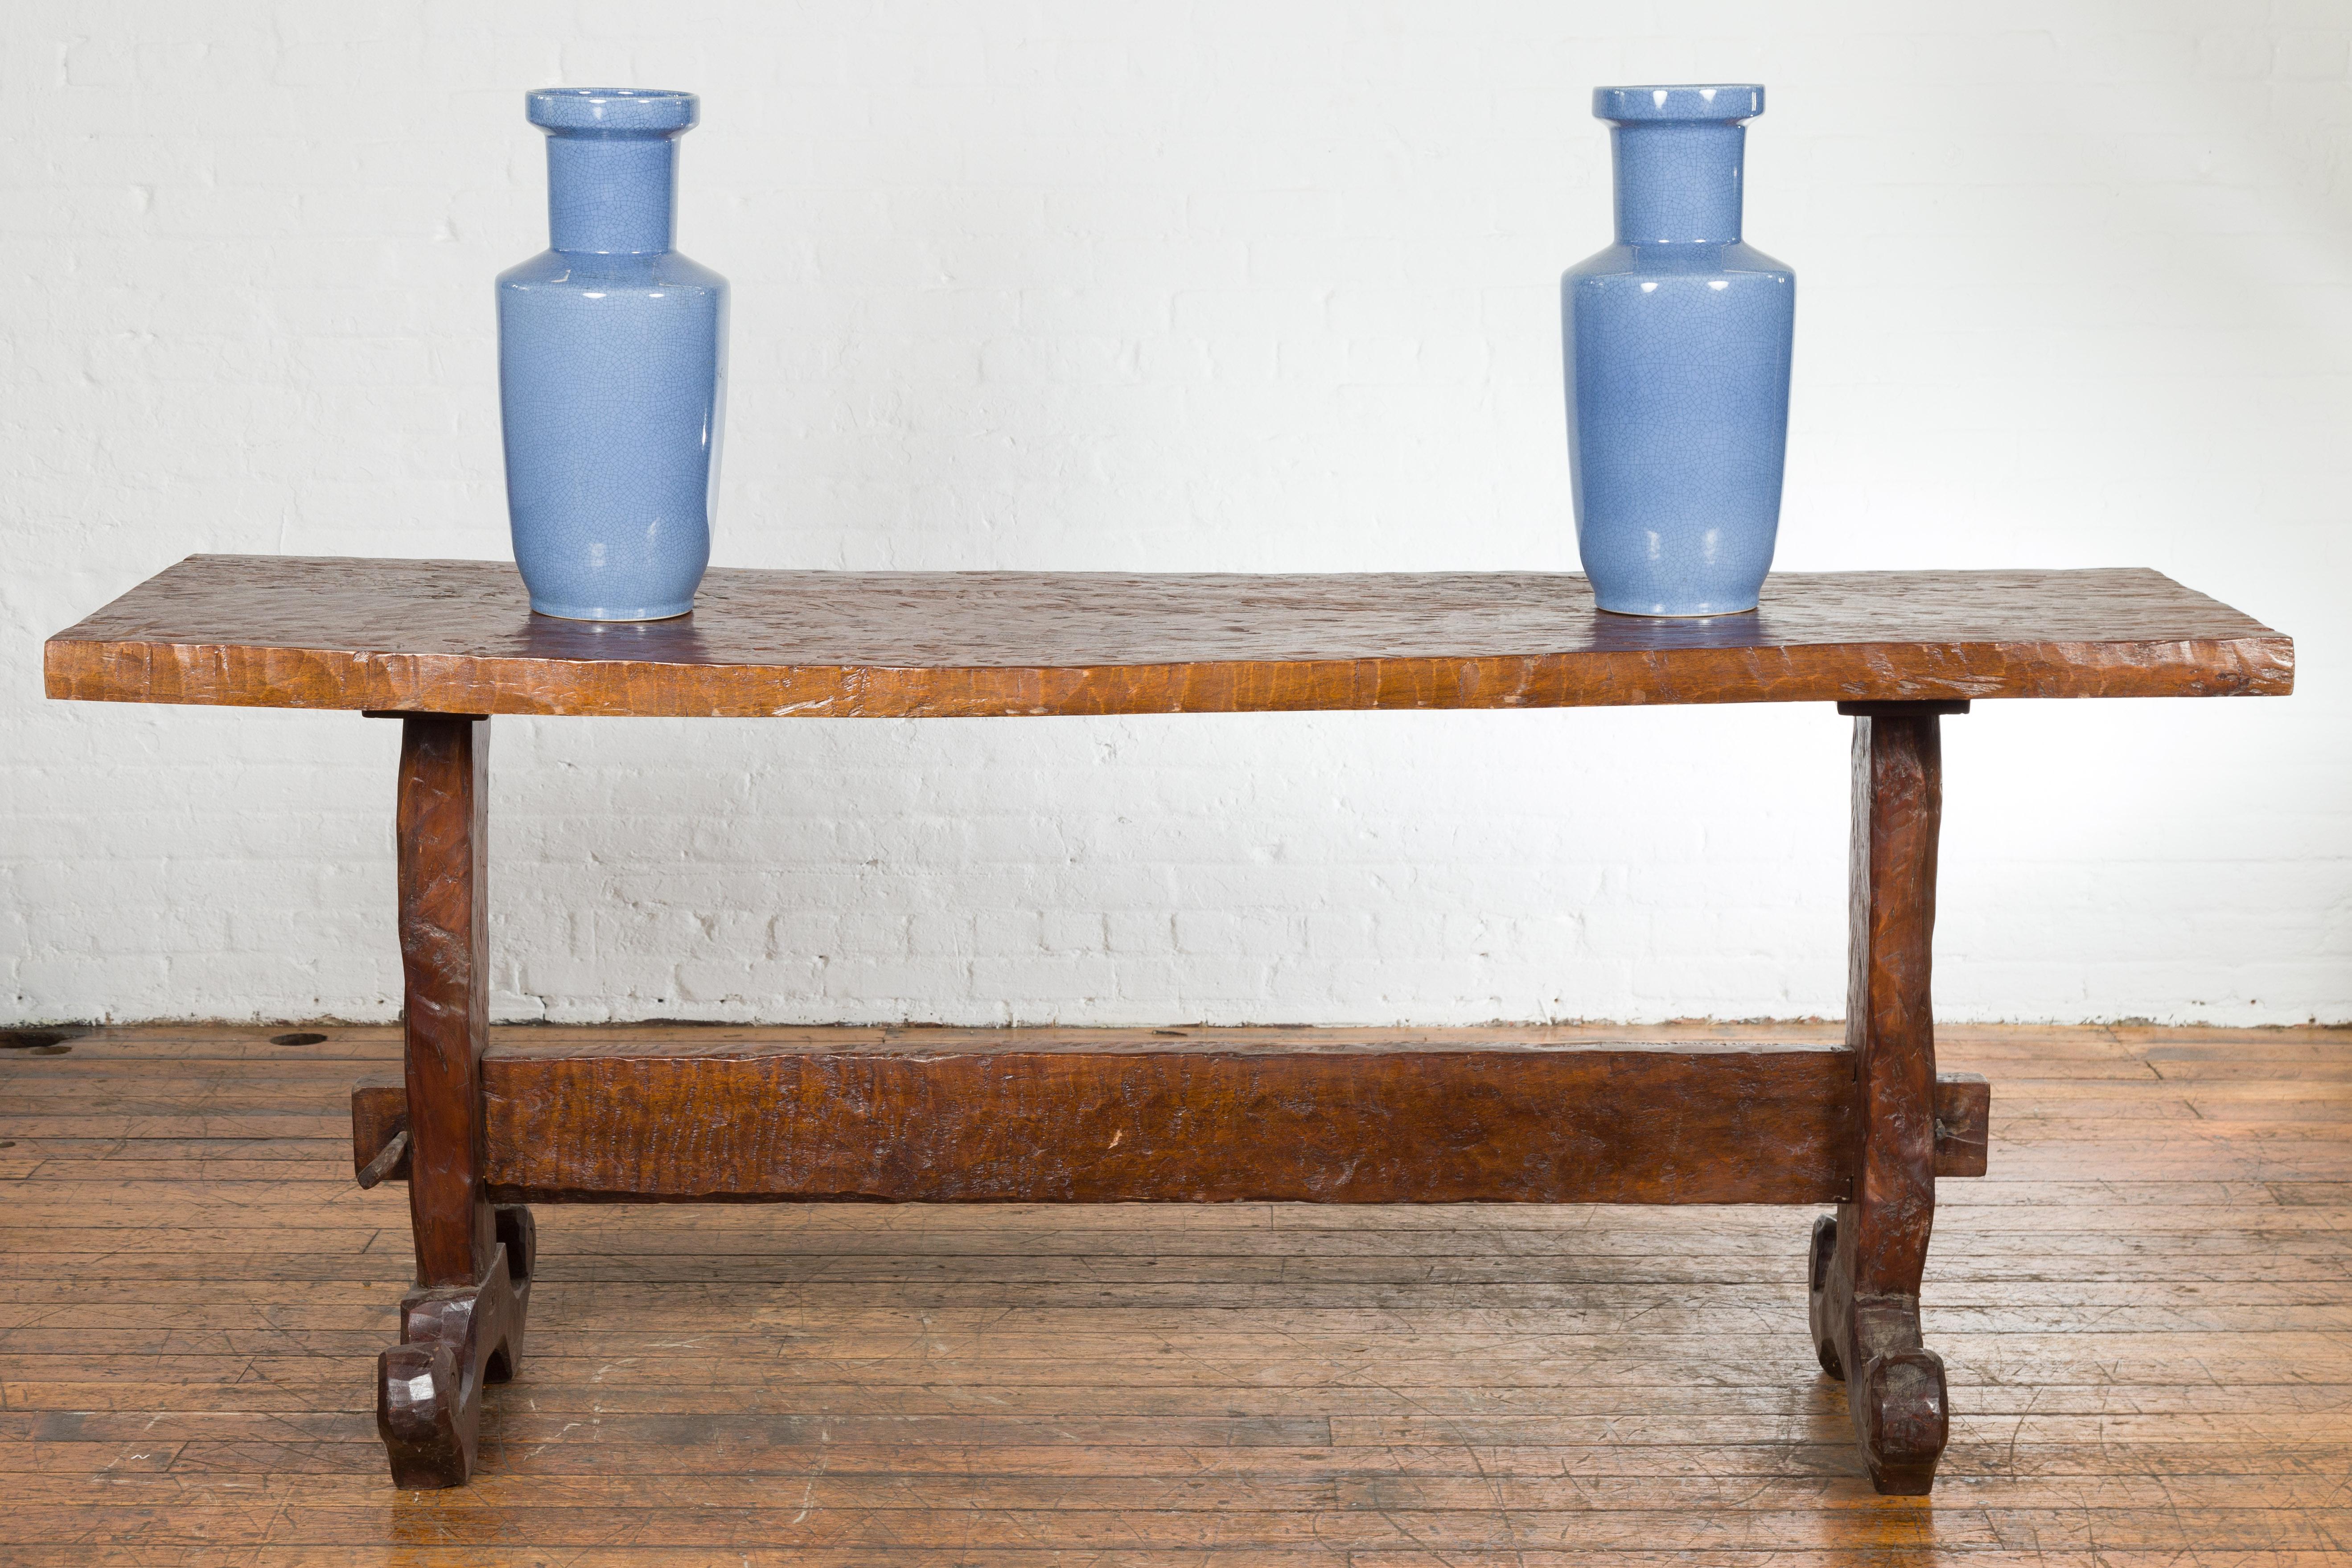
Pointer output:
x,y
1678,181
611,195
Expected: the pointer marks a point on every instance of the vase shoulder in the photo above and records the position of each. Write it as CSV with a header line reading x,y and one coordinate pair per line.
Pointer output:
x,y
577,272
1736,259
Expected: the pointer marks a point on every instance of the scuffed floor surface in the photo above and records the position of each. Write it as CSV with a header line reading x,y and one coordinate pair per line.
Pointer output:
x,y
2147,1311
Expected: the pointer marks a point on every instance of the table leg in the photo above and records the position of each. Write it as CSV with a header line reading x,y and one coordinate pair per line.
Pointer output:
x,y
462,1325
1868,1260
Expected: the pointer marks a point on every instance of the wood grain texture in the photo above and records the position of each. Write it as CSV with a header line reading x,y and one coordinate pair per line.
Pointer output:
x,y
2146,1313
443,858
1866,1263
1963,1120
378,1115
1192,1121
457,636
836,1113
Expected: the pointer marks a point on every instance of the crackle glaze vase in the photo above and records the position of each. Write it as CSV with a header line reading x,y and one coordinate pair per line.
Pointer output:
x,y
1676,339
612,368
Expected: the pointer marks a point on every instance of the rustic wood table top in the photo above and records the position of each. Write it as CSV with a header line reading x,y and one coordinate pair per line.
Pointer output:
x,y
457,636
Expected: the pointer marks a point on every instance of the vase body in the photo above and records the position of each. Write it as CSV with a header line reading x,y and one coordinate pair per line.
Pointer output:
x,y
1676,340
612,369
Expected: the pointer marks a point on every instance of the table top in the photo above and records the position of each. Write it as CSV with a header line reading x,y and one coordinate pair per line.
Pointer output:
x,y
457,636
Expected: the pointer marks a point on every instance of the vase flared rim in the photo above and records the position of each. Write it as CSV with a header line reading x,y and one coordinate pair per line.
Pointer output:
x,y
1646,105
612,108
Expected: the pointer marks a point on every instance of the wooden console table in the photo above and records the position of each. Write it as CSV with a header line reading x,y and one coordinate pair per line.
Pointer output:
x,y
1194,1114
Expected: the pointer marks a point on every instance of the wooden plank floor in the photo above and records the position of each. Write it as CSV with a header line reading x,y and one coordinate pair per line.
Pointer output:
x,y
2147,1311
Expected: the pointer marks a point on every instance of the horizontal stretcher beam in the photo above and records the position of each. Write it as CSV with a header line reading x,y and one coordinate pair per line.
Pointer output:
x,y
1137,1115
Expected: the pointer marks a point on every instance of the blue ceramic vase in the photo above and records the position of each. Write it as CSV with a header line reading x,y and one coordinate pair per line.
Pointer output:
x,y
1676,339
612,369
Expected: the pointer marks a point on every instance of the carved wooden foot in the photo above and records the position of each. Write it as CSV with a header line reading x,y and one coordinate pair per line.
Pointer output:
x,y
454,1339
1893,1384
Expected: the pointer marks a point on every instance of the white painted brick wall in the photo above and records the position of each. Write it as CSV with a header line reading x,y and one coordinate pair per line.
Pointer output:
x,y
1187,286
